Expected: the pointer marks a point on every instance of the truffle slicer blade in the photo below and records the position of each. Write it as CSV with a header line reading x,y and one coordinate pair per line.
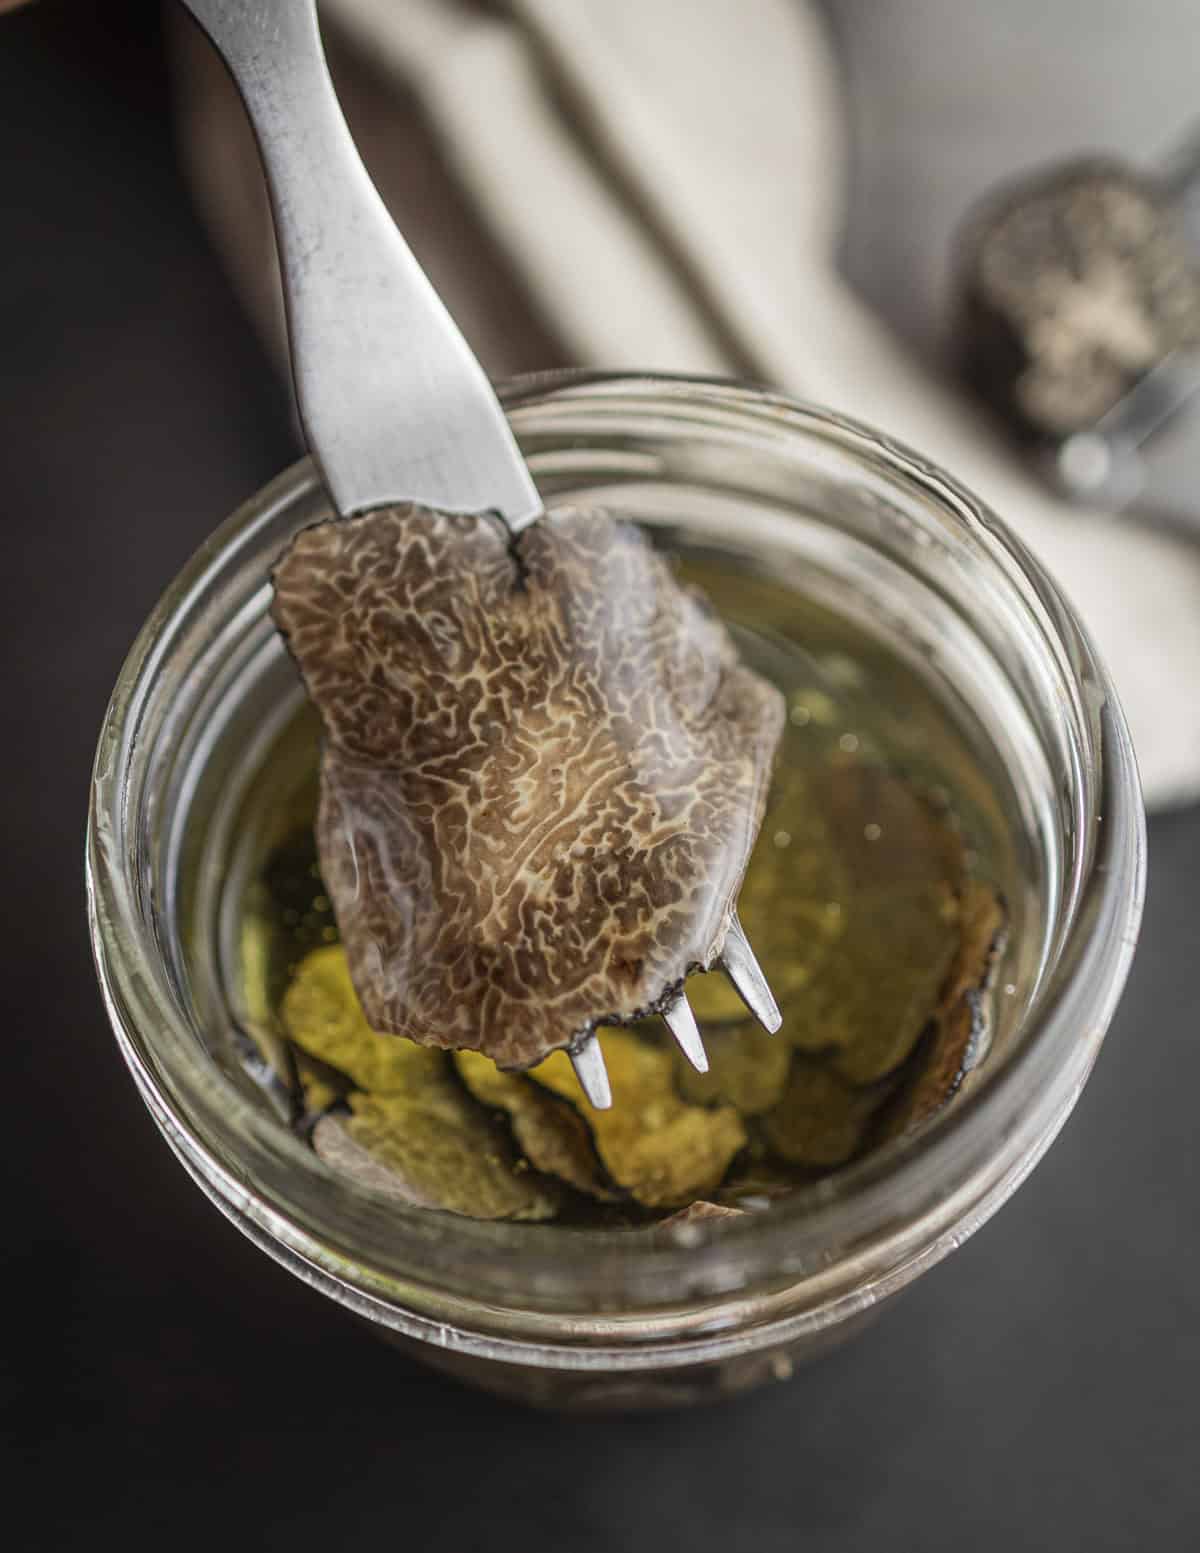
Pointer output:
x,y
394,405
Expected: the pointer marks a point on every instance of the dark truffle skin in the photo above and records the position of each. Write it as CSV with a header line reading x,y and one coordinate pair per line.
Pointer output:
x,y
1072,286
544,770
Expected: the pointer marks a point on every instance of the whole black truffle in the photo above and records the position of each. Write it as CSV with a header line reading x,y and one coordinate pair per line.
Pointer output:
x,y
1072,286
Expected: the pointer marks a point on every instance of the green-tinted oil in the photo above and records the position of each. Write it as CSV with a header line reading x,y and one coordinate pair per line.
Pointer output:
x,y
877,899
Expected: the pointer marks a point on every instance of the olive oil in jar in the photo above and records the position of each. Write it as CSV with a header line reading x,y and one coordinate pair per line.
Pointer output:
x,y
879,899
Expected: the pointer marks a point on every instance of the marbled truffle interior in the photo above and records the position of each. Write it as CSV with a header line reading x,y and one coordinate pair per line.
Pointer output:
x,y
543,773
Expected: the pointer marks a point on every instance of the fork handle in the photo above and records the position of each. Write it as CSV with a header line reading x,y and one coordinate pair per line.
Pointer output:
x,y
394,404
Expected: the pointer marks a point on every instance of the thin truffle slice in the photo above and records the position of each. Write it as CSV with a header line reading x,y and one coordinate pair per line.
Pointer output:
x,y
324,1017
962,1024
549,1131
664,1152
821,1120
411,1130
901,871
544,770
747,1068
434,1149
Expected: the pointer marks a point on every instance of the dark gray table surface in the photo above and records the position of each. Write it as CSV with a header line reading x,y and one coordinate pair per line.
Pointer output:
x,y
161,1382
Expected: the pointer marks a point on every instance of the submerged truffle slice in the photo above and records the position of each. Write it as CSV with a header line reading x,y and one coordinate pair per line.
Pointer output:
x,y
664,1152
434,1148
961,1026
544,770
550,1132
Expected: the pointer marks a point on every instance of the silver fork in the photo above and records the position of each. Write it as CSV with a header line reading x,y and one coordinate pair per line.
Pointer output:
x,y
373,346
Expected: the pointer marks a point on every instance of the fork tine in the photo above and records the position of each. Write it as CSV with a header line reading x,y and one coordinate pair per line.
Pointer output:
x,y
744,971
588,1062
682,1024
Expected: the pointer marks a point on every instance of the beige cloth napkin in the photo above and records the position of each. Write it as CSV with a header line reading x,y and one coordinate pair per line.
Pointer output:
x,y
667,177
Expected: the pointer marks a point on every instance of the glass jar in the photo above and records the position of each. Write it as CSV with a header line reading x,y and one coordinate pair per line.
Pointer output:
x,y
581,1318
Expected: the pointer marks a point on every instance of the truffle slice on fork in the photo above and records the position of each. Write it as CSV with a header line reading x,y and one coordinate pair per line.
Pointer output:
x,y
544,770
545,765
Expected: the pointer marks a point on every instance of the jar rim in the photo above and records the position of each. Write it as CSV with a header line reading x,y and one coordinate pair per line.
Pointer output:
x,y
229,1142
